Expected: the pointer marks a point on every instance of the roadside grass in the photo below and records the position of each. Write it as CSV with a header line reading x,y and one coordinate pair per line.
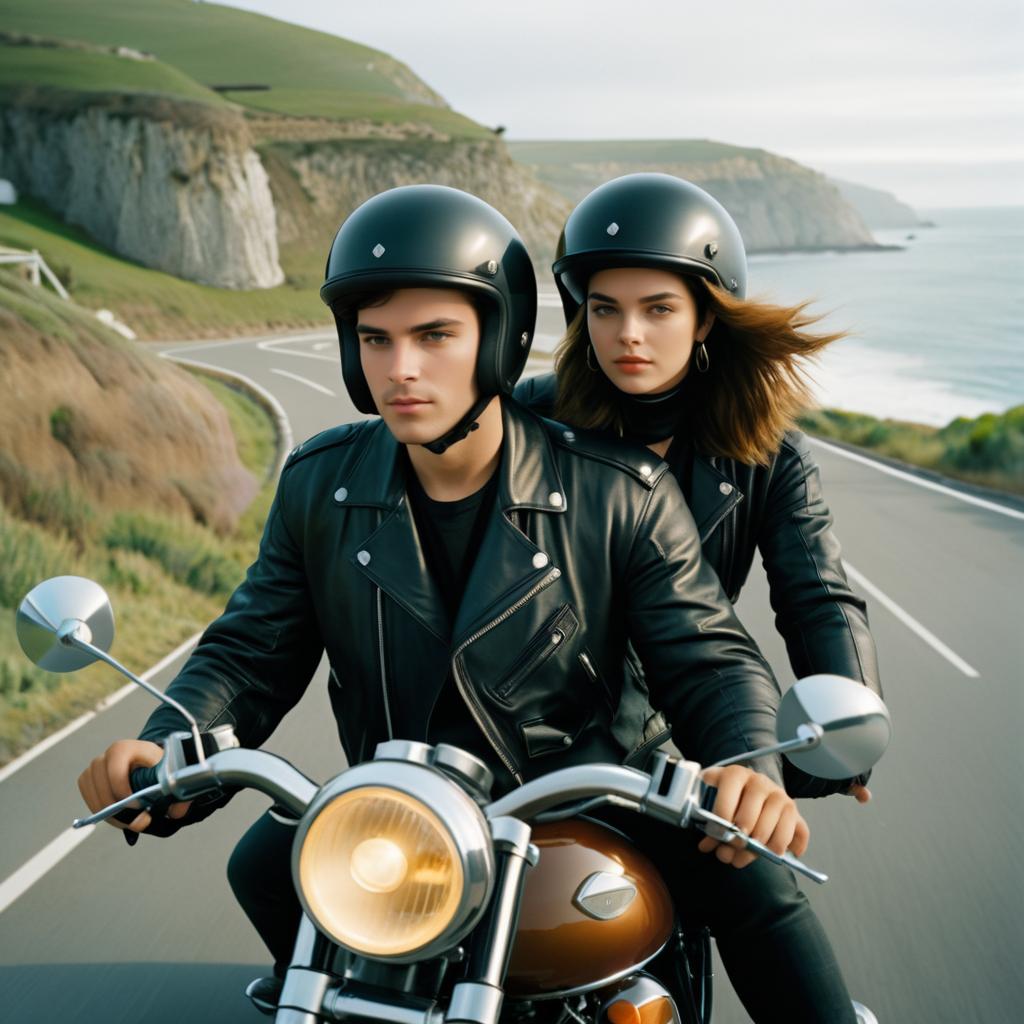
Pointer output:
x,y
988,450
166,578
153,303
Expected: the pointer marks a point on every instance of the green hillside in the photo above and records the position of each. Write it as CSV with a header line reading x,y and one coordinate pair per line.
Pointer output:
x,y
93,71
574,168
308,73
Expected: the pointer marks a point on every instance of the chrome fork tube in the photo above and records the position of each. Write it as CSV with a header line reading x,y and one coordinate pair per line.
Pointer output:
x,y
478,999
305,985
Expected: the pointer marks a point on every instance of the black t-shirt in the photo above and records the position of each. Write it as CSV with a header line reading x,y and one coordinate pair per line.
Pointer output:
x,y
450,534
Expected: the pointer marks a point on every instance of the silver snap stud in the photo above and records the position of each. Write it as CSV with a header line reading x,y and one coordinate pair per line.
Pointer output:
x,y
555,498
645,470
566,741
524,339
556,637
725,488
569,435
711,249
341,494
612,229
492,267
733,284
540,560
363,557
378,250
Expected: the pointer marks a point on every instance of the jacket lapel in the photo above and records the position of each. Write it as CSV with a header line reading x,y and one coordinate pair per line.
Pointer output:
x,y
713,496
509,564
391,556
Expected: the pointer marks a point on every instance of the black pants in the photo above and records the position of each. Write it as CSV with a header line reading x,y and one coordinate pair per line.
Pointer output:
x,y
779,959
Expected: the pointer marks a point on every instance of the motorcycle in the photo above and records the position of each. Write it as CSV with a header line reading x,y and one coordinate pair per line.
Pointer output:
x,y
427,902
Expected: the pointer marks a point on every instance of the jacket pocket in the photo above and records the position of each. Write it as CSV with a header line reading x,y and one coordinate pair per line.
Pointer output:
x,y
558,628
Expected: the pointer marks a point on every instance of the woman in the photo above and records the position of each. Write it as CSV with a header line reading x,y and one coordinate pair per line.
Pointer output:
x,y
663,348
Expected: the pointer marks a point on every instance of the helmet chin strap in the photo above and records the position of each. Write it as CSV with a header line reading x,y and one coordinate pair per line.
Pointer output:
x,y
462,429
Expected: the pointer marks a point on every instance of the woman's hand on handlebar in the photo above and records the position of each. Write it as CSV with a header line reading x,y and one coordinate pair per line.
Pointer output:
x,y
758,806
105,780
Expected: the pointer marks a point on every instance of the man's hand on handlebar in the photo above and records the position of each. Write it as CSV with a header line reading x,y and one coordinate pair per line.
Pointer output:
x,y
105,781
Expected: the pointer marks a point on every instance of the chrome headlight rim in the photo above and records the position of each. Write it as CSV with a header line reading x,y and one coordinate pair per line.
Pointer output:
x,y
456,812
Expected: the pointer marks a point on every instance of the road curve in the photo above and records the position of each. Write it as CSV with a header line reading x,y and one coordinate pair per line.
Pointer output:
x,y
924,904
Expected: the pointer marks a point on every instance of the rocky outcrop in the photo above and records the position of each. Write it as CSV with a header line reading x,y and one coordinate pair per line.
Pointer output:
x,y
322,182
879,209
777,203
172,186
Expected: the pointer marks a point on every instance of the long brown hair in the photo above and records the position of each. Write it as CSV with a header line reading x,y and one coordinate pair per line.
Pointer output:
x,y
751,395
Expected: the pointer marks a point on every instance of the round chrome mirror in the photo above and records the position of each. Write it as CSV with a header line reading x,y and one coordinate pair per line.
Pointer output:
x,y
51,610
855,722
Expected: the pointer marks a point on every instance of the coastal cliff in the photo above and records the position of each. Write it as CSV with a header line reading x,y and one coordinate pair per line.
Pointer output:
x,y
316,184
778,203
172,185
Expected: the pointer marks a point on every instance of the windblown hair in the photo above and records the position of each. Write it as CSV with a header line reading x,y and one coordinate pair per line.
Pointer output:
x,y
754,389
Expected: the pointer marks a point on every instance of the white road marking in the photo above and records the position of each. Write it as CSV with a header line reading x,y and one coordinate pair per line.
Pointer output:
x,y
303,380
274,346
32,870
991,506
8,770
188,347
910,622
323,344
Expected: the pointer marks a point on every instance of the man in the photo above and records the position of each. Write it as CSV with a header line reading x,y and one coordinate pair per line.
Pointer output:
x,y
475,573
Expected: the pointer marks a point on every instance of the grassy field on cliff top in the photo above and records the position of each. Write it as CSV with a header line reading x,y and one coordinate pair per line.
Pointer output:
x,y
309,73
167,577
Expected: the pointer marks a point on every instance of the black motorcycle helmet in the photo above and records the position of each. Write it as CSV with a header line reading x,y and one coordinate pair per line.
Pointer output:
x,y
648,220
431,236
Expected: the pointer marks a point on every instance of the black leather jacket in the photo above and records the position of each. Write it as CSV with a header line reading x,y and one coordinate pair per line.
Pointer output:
x,y
590,542
779,509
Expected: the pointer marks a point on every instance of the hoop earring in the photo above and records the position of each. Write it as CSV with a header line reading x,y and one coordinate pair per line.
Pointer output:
x,y
701,359
590,362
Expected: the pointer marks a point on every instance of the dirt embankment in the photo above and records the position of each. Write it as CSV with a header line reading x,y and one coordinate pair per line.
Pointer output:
x,y
88,417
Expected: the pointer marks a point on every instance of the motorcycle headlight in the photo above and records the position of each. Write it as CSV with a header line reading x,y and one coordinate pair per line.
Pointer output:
x,y
393,860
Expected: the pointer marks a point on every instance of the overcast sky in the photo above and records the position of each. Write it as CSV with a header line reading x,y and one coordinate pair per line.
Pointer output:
x,y
921,97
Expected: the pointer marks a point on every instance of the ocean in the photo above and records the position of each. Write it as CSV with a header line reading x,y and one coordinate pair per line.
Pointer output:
x,y
936,327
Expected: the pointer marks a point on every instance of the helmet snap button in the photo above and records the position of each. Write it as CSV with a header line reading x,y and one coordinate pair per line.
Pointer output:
x,y
612,229
539,560
733,284
725,488
555,498
341,494
569,435
492,267
363,557
645,470
524,339
711,249
378,250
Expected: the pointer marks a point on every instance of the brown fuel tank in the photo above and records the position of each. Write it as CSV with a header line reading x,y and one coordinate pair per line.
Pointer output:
x,y
594,908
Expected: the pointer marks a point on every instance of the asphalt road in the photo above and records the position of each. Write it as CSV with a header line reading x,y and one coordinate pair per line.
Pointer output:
x,y
925,903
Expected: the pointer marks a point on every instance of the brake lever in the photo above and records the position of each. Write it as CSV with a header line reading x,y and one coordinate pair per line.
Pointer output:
x,y
152,793
726,831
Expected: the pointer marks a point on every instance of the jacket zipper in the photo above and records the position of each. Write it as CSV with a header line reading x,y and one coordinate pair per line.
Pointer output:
x,y
383,676
475,709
